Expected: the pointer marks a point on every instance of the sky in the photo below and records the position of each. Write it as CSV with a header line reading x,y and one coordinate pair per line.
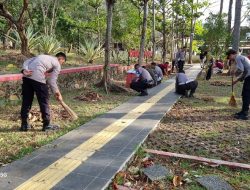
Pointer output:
x,y
215,8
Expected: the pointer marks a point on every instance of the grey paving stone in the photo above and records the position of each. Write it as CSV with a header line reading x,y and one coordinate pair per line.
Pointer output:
x,y
101,157
214,183
111,150
63,148
90,168
74,181
108,173
118,161
9,183
21,170
97,184
44,160
156,172
126,152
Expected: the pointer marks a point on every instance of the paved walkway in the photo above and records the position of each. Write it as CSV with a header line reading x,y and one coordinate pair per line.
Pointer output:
x,y
88,157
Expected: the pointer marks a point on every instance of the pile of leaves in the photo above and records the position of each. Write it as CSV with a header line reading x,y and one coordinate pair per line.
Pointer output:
x,y
220,83
89,96
56,112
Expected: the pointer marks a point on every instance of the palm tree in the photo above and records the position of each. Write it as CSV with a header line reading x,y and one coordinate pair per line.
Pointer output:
x,y
143,32
237,21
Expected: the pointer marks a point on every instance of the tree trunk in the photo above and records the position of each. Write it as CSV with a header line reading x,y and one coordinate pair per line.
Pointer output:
x,y
191,35
229,23
106,79
98,25
6,40
237,21
24,41
164,50
221,6
143,33
172,36
153,32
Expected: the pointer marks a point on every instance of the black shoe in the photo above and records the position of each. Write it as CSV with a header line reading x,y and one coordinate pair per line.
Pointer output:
x,y
143,94
239,113
191,95
50,128
25,127
241,116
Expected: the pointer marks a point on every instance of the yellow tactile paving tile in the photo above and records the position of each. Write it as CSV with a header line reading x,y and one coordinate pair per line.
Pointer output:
x,y
53,174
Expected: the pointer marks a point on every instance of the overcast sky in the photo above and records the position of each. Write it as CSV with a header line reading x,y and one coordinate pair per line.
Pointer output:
x,y
215,8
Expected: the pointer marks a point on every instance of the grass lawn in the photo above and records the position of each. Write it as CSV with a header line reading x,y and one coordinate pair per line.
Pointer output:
x,y
15,144
201,126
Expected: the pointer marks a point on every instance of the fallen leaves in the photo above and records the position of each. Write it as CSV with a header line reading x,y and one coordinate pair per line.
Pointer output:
x,y
89,97
177,181
220,83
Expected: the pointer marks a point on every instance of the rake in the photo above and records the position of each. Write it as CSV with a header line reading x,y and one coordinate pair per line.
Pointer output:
x,y
232,101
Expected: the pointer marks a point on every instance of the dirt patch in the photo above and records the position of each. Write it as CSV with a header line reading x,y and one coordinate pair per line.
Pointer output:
x,y
220,83
200,132
206,98
89,96
15,57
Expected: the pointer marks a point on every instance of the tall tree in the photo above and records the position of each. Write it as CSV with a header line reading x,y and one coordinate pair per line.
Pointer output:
x,y
237,22
96,4
19,23
229,23
164,35
143,32
221,6
153,31
49,10
191,33
110,7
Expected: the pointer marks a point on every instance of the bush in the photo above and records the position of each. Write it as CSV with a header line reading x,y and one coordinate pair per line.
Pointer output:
x,y
33,38
48,44
91,50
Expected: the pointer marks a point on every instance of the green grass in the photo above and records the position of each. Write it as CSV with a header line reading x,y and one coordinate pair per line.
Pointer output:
x,y
15,144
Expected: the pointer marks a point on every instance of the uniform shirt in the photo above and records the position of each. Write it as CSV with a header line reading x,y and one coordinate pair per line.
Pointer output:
x,y
180,55
181,78
159,72
144,74
242,66
41,64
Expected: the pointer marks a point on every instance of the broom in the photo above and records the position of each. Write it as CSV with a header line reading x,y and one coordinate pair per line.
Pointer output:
x,y
70,111
232,101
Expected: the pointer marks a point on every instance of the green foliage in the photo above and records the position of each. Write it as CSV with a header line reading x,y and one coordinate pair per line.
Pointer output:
x,y
215,33
91,50
48,44
33,38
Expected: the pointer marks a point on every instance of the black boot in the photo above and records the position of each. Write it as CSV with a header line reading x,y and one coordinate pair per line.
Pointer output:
x,y
24,126
191,95
48,127
241,115
144,93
